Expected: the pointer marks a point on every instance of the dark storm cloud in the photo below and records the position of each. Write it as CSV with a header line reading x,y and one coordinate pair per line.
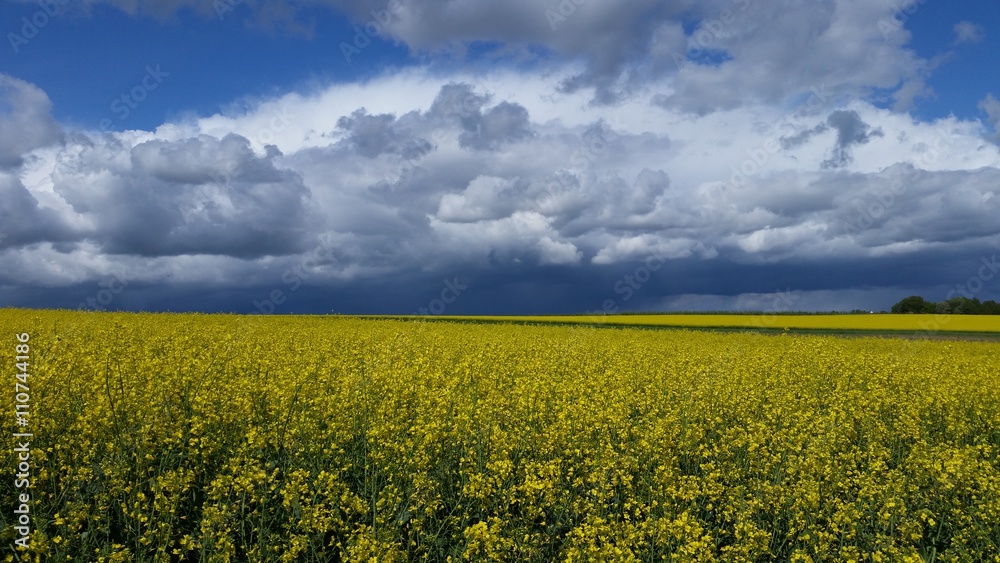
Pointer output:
x,y
503,123
801,138
458,100
372,135
520,289
851,131
22,220
947,208
196,196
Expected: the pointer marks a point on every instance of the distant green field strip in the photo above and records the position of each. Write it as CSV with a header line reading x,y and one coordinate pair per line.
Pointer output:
x,y
909,324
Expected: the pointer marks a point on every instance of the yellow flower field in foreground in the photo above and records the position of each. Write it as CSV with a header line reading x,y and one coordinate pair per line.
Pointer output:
x,y
228,438
878,322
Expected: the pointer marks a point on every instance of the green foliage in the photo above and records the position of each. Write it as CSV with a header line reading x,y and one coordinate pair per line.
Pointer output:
x,y
913,304
954,306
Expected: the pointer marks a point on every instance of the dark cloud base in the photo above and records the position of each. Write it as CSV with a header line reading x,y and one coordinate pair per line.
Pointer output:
x,y
551,290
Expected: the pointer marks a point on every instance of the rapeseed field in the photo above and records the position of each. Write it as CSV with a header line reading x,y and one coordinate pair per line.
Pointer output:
x,y
235,438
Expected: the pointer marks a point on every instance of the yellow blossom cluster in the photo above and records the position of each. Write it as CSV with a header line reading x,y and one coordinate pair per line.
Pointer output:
x,y
223,438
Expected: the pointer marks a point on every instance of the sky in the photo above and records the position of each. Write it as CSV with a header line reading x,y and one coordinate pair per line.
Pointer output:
x,y
498,157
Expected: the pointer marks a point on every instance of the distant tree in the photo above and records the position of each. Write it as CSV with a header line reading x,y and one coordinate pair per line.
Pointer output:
x,y
964,306
913,304
955,306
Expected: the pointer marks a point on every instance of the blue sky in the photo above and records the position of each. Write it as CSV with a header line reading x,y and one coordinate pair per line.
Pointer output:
x,y
965,77
85,62
839,152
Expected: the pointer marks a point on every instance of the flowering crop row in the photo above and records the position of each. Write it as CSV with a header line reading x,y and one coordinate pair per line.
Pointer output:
x,y
232,438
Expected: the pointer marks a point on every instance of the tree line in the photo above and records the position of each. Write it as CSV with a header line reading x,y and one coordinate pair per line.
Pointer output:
x,y
953,306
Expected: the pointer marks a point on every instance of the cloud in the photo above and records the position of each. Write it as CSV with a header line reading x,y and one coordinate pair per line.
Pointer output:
x,y
807,45
631,48
503,123
693,56
802,137
557,253
23,221
201,195
968,32
552,196
851,131
485,198
26,121
373,135
991,107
